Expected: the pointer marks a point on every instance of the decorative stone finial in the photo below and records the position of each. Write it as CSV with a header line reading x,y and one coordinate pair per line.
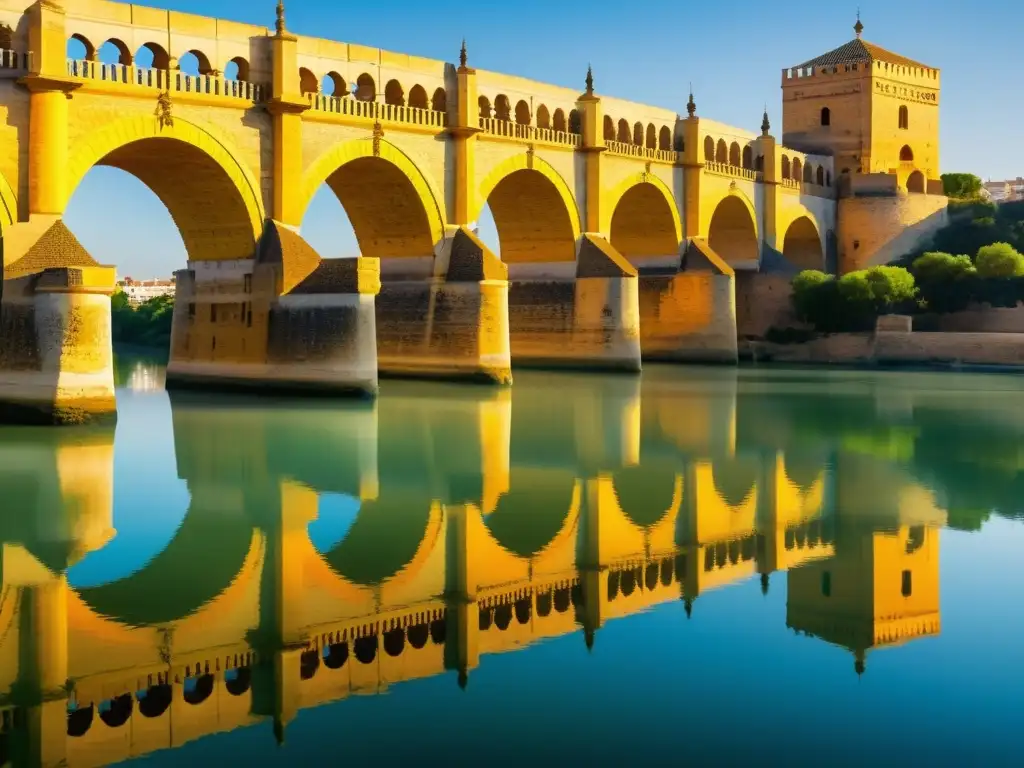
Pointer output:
x,y
463,56
279,25
691,106
765,125
590,81
858,27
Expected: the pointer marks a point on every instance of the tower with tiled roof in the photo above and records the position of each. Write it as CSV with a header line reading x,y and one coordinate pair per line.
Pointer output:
x,y
874,110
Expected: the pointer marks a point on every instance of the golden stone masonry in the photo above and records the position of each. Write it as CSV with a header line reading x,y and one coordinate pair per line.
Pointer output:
x,y
622,226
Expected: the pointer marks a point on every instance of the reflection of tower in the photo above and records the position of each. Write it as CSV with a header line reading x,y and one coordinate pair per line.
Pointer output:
x,y
462,616
880,589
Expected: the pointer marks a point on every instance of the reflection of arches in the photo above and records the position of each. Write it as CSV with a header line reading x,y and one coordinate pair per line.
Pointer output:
x,y
646,497
732,233
365,649
174,161
384,539
366,88
309,663
198,688
802,245
644,219
307,81
335,655
394,95
533,209
155,700
528,518
906,154
79,721
915,182
117,711
390,203
734,482
238,680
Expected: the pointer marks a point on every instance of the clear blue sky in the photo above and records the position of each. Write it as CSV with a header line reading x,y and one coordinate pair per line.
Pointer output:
x,y
732,50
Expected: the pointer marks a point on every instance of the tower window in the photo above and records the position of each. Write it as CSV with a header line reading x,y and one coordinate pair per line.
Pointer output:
x,y
906,154
826,116
826,584
907,588
904,118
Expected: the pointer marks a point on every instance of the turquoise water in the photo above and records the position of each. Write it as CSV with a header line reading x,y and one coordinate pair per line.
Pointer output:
x,y
715,566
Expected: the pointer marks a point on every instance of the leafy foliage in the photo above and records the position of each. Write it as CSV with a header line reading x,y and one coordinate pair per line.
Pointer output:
x,y
961,185
147,325
999,260
852,302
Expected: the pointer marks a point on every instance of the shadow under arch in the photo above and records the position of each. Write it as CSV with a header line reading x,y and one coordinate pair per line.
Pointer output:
x,y
531,516
177,162
643,218
734,481
732,231
393,207
201,561
386,539
534,211
801,245
646,497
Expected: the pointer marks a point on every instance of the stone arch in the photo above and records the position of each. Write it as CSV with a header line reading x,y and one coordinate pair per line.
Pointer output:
x,y
418,97
203,65
485,107
90,49
797,170
748,158
558,121
393,94
647,500
439,101
241,71
826,116
523,116
709,149
502,107
665,139
820,176
915,182
333,84
174,161
308,82
652,136
809,173
785,167
124,53
638,134
392,206
543,117
734,155
117,711
643,218
575,123
906,154
534,211
732,232
904,118
721,152
623,134
609,128
801,244
161,59
155,700
366,88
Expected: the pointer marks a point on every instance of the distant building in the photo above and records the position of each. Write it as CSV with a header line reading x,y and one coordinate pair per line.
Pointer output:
x,y
141,291
1007,191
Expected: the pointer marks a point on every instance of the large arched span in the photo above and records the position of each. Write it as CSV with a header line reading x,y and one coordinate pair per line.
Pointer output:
x,y
732,233
534,211
647,497
391,204
802,245
388,535
213,198
644,221
531,516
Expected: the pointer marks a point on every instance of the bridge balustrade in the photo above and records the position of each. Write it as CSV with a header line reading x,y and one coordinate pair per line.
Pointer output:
x,y
727,169
346,105
498,127
13,60
165,80
634,150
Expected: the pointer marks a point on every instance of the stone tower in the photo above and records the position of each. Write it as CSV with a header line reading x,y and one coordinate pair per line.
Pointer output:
x,y
873,110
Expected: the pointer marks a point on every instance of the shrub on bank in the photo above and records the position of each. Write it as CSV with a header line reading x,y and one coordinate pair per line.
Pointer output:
x,y
148,325
854,301
999,260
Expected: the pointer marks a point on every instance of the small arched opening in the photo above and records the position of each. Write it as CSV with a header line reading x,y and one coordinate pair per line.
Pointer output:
x,y
79,720
906,154
722,152
523,115
748,158
80,48
394,94
652,137
114,51
558,121
335,655
915,182
809,173
709,149
152,56
366,649
502,107
826,117
237,69
785,167
366,88
439,101
820,176
309,663
543,117
734,155
333,84
638,134
418,97
623,132
195,63
394,642
609,128
798,169
904,119
575,123
665,139
308,82
485,107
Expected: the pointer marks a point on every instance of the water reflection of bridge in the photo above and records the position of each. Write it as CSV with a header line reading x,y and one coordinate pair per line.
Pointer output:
x,y
484,523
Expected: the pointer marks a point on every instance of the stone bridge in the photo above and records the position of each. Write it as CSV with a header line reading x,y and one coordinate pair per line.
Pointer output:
x,y
620,225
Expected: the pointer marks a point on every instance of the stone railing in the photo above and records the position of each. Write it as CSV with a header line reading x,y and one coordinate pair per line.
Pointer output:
x,y
511,130
790,183
165,80
634,150
13,60
347,105
727,169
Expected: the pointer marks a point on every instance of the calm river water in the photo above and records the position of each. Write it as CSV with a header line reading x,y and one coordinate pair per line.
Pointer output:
x,y
699,565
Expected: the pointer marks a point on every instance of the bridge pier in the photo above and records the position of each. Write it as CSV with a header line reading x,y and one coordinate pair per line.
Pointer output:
x,y
446,315
586,318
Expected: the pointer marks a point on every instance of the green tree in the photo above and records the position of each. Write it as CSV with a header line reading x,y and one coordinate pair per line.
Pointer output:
x,y
961,185
937,266
999,260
